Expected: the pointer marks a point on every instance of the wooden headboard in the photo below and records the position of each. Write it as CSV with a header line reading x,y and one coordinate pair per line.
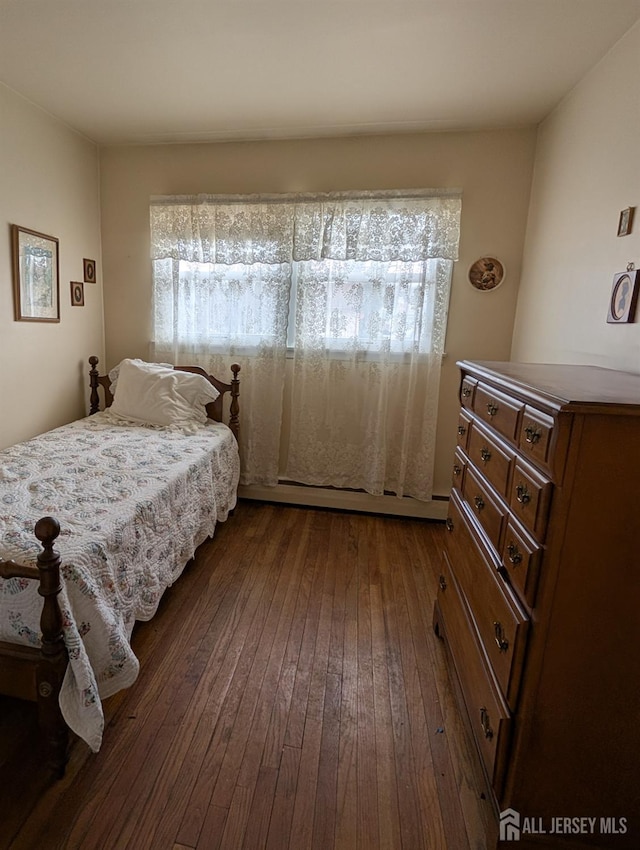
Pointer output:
x,y
214,409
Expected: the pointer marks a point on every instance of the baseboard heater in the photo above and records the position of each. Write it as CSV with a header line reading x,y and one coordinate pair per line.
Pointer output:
x,y
293,493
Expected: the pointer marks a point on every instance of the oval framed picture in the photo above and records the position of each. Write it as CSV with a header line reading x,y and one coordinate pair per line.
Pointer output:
x,y
89,271
486,274
624,295
77,294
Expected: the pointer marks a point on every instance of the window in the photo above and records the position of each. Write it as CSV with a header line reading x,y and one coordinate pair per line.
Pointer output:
x,y
355,286
367,307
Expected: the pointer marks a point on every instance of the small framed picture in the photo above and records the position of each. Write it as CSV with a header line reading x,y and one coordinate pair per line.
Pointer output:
x,y
34,259
625,222
89,271
624,296
77,294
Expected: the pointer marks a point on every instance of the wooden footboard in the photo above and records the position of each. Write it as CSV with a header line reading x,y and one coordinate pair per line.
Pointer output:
x,y
37,674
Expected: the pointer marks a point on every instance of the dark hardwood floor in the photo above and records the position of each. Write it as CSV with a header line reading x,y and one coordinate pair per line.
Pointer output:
x,y
292,694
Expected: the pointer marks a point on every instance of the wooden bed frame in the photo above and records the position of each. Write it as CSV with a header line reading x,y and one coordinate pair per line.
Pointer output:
x,y
37,674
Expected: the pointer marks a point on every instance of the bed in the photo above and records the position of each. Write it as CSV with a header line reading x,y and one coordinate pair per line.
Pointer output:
x,y
97,519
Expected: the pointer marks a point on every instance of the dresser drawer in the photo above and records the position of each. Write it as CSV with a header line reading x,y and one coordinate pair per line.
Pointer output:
x,y
492,458
536,431
521,559
484,505
464,427
467,392
529,498
488,713
499,619
501,411
457,470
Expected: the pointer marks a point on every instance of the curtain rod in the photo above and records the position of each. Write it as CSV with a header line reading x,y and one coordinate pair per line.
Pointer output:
x,y
306,197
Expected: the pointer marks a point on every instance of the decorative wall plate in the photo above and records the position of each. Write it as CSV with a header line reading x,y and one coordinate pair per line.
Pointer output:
x,y
486,274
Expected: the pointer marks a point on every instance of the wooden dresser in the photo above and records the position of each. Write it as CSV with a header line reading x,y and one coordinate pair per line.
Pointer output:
x,y
539,597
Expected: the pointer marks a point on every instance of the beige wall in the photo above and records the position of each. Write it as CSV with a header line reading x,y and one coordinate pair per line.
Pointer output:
x,y
587,169
492,168
49,183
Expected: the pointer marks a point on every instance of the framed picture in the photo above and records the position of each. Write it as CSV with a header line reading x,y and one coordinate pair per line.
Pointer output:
x,y
89,271
624,296
36,290
625,222
77,294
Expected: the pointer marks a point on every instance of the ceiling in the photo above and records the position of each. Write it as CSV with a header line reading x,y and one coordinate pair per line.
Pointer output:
x,y
147,71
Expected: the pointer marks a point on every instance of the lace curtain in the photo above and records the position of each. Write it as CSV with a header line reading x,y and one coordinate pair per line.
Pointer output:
x,y
371,280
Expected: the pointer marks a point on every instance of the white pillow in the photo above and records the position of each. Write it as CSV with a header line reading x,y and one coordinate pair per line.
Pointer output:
x,y
115,372
154,394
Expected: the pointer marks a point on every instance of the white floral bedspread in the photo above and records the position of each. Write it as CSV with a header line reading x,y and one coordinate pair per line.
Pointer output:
x,y
133,504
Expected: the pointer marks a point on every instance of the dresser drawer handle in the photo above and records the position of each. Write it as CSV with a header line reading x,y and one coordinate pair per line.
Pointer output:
x,y
443,583
478,501
492,408
449,523
457,470
462,430
514,554
485,454
486,723
503,643
533,434
466,392
522,494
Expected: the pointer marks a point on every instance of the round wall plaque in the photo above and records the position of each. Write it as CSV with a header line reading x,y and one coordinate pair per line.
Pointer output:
x,y
486,273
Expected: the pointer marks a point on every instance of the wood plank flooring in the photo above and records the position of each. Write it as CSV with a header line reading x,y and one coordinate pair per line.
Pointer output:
x,y
292,694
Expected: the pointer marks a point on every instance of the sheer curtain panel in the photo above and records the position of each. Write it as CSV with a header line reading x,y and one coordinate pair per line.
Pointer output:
x,y
221,283
370,321
359,283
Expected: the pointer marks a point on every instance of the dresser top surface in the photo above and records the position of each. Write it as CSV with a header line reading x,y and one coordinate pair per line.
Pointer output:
x,y
563,386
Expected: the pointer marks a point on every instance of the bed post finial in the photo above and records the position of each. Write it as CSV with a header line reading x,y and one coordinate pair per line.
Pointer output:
x,y
51,669
234,420
94,398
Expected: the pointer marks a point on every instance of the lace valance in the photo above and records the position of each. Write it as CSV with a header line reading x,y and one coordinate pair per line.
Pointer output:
x,y
384,227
